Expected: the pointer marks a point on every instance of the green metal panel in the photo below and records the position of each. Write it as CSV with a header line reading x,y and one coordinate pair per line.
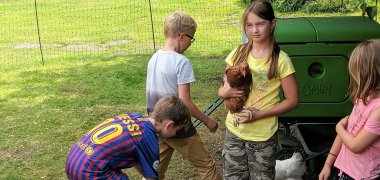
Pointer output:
x,y
321,79
320,48
326,29
344,29
310,49
295,30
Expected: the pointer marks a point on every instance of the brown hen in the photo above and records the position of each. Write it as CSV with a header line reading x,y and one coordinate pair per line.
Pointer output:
x,y
238,77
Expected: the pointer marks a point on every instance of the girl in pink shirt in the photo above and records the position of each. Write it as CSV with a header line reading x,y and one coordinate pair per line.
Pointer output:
x,y
356,149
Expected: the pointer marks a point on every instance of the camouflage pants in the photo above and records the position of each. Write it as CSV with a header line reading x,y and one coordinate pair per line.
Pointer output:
x,y
249,159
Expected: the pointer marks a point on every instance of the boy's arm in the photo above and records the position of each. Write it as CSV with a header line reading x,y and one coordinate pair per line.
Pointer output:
x,y
184,94
138,169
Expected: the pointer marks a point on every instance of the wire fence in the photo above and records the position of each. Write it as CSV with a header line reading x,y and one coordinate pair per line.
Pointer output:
x,y
40,31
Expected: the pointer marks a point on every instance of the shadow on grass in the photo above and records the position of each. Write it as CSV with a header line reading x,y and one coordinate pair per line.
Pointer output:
x,y
47,108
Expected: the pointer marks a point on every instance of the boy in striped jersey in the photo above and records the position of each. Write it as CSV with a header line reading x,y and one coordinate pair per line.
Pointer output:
x,y
127,140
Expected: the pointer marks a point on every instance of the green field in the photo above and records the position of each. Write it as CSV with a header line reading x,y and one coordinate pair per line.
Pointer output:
x,y
94,67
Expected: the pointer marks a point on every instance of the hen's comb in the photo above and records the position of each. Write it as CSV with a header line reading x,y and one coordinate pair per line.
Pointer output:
x,y
244,69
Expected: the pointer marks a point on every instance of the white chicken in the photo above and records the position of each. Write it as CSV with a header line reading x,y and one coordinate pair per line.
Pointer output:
x,y
291,169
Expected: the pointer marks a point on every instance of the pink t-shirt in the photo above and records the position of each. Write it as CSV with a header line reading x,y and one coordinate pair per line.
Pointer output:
x,y
367,163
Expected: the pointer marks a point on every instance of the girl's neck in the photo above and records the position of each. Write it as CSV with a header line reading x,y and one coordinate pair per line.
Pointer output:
x,y
262,50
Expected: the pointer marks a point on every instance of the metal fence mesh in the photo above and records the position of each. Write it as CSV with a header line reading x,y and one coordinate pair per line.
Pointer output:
x,y
81,29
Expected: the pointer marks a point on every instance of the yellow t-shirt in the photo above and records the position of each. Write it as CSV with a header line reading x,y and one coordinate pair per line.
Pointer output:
x,y
264,95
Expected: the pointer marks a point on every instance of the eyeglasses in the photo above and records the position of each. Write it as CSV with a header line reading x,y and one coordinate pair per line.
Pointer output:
x,y
192,39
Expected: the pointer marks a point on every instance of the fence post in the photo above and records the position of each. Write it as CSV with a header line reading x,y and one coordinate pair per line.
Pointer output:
x,y
38,31
151,21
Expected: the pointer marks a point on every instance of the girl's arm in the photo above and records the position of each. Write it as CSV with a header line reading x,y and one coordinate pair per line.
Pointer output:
x,y
331,157
359,143
289,87
226,91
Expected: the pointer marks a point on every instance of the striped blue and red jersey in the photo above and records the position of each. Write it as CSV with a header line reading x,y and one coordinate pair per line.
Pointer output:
x,y
117,143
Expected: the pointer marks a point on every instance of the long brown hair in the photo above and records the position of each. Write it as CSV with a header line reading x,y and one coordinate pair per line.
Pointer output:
x,y
264,10
364,69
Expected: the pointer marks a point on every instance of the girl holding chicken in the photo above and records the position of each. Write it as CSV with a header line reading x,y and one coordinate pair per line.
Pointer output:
x,y
251,138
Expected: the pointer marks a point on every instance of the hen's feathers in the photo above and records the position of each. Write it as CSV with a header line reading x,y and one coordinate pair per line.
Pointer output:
x,y
291,169
239,77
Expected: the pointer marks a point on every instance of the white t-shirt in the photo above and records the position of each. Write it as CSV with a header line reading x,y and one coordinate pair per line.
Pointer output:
x,y
166,70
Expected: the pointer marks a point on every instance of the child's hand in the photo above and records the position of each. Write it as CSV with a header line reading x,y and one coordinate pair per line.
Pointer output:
x,y
343,122
226,91
212,125
325,173
247,115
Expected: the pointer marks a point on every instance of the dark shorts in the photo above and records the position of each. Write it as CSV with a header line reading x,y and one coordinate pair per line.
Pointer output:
x,y
344,176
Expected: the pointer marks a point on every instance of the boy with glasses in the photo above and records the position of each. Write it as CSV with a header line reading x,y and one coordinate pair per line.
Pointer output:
x,y
170,73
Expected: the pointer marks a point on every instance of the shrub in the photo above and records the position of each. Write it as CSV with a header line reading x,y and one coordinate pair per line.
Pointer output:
x,y
288,5
330,6
314,6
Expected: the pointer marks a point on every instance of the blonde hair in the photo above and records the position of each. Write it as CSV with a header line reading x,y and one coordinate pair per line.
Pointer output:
x,y
179,22
264,10
364,69
173,108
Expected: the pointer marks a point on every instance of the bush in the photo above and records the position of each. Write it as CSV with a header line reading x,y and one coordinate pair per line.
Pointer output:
x,y
330,6
313,6
288,5
283,5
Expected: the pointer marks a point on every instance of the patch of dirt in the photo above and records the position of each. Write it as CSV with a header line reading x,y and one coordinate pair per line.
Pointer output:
x,y
126,53
84,48
231,22
235,22
28,45
116,43
78,47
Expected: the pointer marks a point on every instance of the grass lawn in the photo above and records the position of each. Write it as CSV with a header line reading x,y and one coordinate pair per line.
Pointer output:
x,y
47,108
95,57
